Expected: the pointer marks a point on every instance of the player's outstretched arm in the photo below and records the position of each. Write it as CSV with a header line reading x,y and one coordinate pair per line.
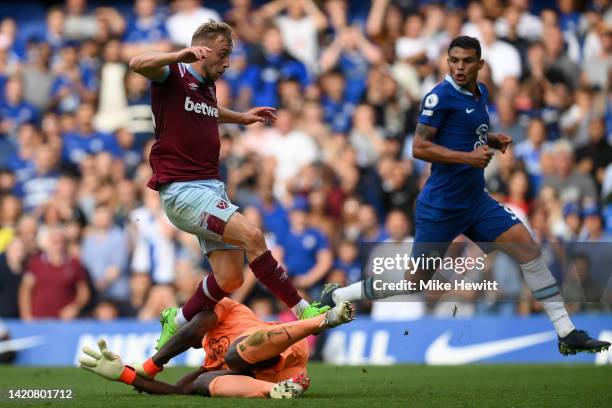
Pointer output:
x,y
188,336
425,148
151,64
109,365
262,114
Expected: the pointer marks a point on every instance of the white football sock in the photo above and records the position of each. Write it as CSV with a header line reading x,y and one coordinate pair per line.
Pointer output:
x,y
179,319
351,293
299,308
545,289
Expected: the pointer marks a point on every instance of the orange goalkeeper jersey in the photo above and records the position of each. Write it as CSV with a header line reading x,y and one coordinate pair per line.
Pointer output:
x,y
236,320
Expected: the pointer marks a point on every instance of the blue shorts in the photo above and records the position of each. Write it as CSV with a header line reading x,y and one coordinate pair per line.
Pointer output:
x,y
482,223
201,208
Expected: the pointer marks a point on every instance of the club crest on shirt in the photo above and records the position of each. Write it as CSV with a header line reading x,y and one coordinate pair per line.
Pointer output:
x,y
218,347
431,100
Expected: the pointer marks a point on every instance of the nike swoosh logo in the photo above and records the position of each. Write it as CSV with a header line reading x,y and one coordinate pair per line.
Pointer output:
x,y
468,111
20,344
441,352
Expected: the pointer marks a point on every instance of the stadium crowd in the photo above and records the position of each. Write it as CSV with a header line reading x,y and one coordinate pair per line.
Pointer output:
x,y
82,236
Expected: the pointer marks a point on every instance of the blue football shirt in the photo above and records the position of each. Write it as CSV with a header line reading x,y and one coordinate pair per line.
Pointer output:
x,y
462,121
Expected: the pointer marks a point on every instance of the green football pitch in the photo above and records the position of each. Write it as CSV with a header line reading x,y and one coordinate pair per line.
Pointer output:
x,y
350,386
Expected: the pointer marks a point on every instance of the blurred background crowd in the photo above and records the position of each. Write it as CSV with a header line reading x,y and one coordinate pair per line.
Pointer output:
x,y
81,235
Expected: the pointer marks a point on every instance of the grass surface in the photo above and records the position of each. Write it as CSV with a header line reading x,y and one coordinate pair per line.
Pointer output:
x,y
351,386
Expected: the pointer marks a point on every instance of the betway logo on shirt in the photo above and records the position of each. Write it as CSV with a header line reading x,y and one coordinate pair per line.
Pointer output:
x,y
201,107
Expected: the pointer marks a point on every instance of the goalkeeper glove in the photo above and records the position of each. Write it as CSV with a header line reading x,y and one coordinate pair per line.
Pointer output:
x,y
106,364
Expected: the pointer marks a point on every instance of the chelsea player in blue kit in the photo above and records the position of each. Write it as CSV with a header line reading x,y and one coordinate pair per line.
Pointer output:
x,y
453,134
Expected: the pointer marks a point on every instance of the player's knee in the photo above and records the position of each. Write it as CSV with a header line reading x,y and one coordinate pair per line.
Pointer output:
x,y
231,282
254,238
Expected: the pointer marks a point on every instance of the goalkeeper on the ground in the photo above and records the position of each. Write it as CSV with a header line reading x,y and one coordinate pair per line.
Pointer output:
x,y
245,357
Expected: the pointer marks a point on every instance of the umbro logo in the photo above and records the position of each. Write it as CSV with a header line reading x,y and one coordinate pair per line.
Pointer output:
x,y
193,86
468,111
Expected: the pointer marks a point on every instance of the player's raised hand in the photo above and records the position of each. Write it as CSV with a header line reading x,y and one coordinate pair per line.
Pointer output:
x,y
262,114
192,54
105,363
480,157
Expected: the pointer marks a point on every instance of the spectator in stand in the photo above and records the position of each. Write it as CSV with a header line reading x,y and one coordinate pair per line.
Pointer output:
x,y
503,58
268,65
140,120
518,194
572,223
596,68
597,154
10,211
506,120
104,252
85,139
112,100
21,163
293,150
530,151
337,110
569,183
529,26
592,226
188,15
347,268
54,284
55,32
14,110
39,185
71,88
12,263
352,53
9,40
145,30
309,257
38,76
366,138
299,28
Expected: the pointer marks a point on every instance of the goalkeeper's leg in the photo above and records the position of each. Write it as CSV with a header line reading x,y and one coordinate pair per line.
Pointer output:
x,y
263,347
223,385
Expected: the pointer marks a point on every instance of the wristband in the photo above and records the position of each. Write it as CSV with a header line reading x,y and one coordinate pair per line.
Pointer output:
x,y
151,368
128,375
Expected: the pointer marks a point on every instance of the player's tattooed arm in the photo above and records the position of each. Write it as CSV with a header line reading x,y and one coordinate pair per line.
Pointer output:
x,y
425,148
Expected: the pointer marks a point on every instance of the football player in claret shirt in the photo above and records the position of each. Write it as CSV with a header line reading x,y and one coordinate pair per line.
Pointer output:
x,y
453,134
185,163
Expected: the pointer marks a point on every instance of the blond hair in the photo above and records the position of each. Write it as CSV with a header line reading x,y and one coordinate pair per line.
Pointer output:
x,y
211,30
